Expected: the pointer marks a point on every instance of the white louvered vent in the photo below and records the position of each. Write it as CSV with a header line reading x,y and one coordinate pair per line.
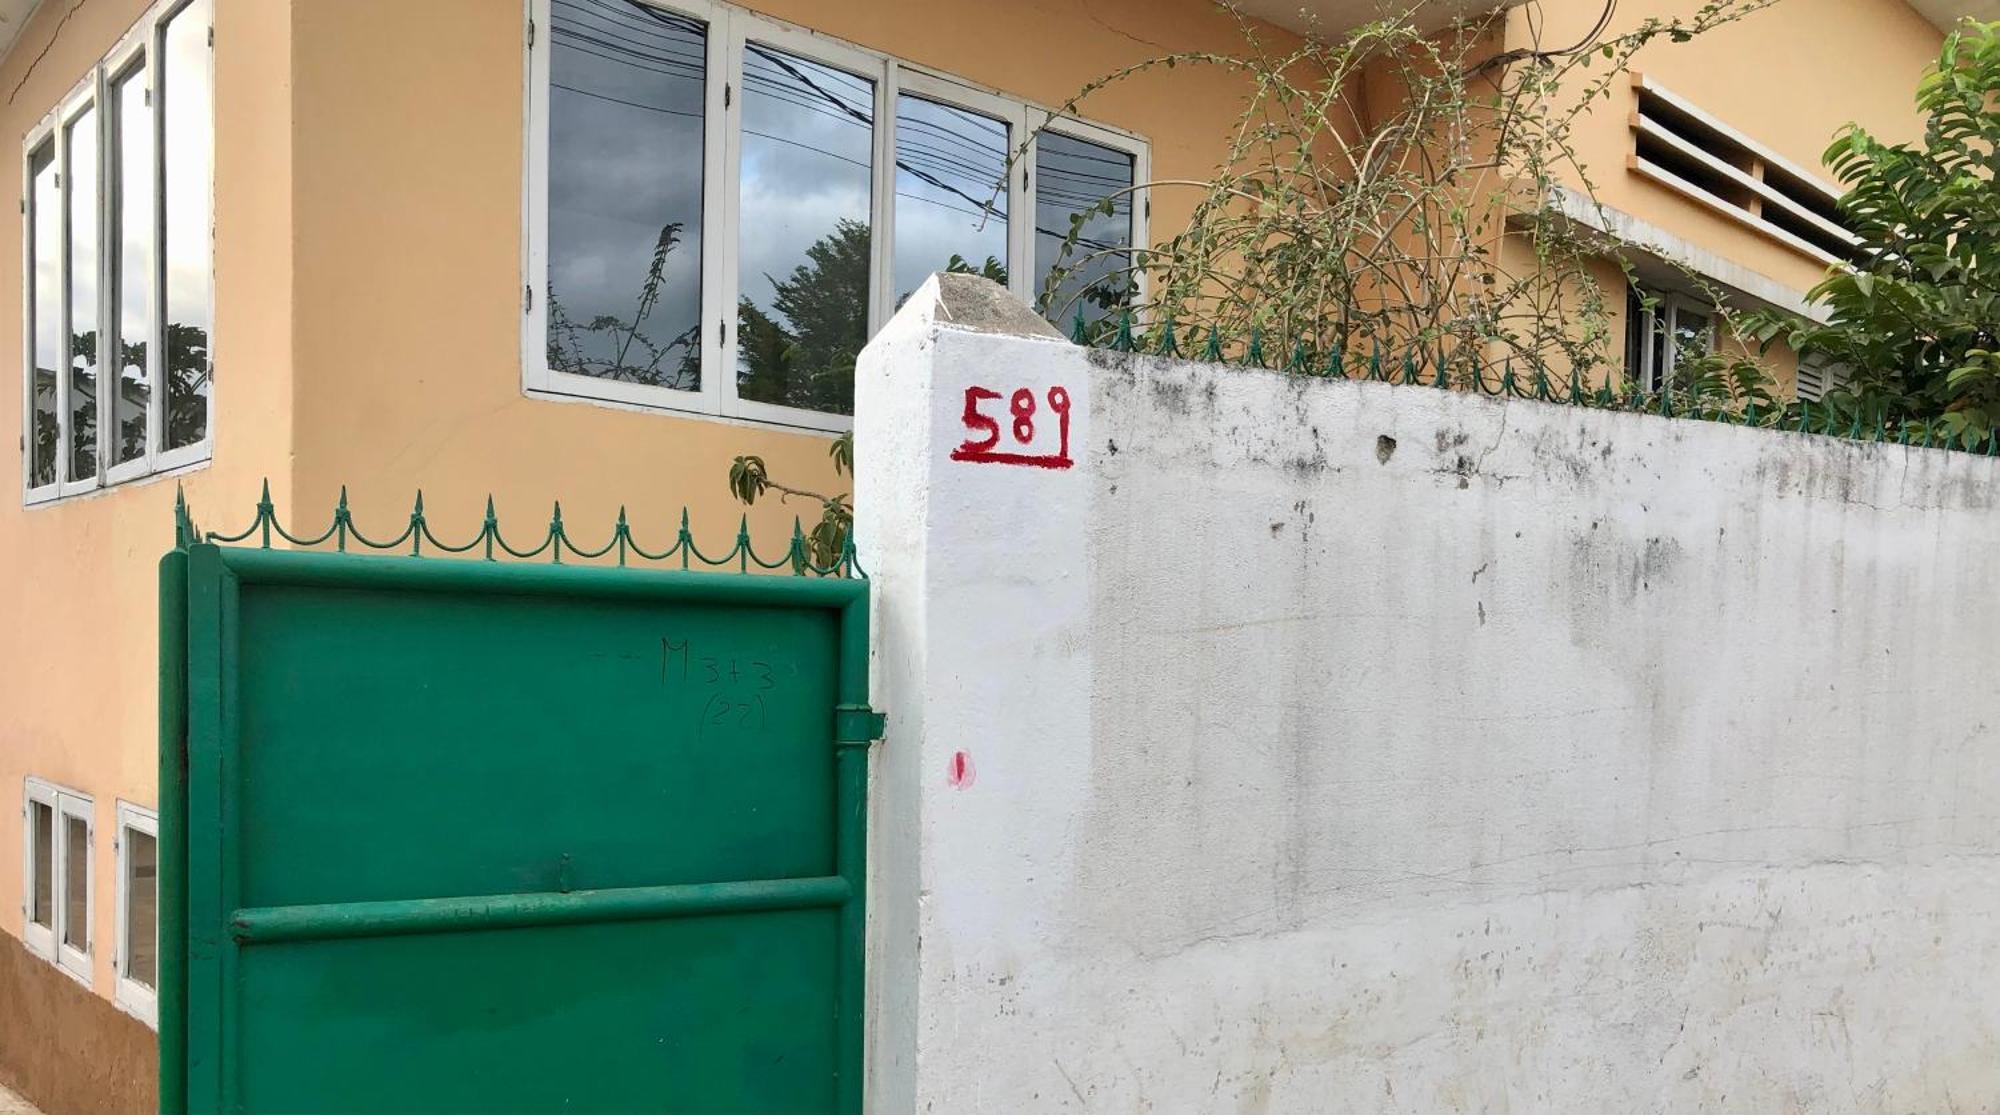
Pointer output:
x,y
1689,151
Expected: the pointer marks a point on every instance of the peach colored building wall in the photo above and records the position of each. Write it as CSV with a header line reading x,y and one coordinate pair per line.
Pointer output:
x,y
1787,76
78,590
408,239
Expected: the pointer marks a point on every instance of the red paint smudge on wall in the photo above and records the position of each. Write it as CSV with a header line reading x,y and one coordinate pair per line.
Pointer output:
x,y
961,774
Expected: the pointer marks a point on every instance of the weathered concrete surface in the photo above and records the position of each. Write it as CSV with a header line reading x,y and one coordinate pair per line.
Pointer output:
x,y
66,1050
1313,746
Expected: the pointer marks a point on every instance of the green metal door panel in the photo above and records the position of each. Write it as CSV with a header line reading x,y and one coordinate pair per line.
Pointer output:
x,y
462,836
693,743
722,1014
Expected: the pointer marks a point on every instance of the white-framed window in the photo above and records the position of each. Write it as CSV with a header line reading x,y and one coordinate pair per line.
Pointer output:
x,y
1661,330
117,208
722,209
58,876
138,941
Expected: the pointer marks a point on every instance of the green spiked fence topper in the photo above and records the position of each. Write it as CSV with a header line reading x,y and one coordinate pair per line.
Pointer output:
x,y
459,835
1436,369
622,547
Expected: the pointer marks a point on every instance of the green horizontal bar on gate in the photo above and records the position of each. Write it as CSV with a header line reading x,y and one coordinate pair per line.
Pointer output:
x,y
312,567
404,917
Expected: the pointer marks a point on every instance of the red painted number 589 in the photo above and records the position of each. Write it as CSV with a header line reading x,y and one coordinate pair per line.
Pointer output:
x,y
982,443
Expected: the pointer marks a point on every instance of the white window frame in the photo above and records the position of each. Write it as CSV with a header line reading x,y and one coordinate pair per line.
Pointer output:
x,y
41,940
1666,307
133,997
729,28
142,46
1142,203
65,803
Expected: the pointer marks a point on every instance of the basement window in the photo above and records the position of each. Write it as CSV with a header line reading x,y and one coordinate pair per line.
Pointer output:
x,y
117,210
138,912
722,209
1692,153
57,896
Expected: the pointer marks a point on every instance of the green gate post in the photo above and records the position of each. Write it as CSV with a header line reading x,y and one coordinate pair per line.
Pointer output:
x,y
856,727
172,801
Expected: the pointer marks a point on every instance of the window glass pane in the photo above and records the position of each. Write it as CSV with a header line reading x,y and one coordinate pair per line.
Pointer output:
x,y
1656,340
186,114
46,309
80,194
626,96
1635,335
76,883
1072,176
42,832
133,210
802,314
1691,336
141,906
951,193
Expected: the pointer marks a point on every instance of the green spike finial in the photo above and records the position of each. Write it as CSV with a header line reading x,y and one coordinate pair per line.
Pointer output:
x,y
1508,385
1212,352
342,521
1542,384
1079,330
1254,355
1375,363
798,554
1301,361
1993,442
183,525
1122,341
1169,345
1443,380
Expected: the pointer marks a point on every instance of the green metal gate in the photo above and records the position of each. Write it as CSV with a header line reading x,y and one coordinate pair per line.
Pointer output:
x,y
463,836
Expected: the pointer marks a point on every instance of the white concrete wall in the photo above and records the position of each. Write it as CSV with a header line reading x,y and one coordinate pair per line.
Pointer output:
x,y
1550,760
